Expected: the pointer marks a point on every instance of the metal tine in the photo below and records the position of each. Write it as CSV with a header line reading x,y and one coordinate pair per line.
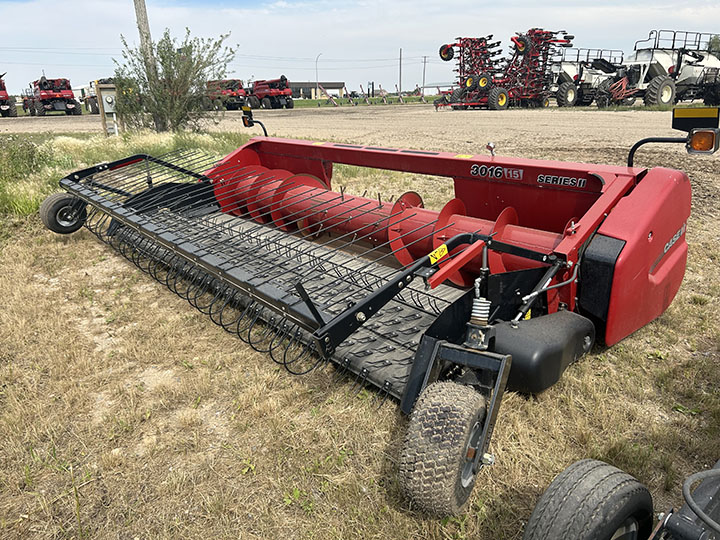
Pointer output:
x,y
360,378
280,336
385,391
344,366
308,350
266,330
251,311
212,309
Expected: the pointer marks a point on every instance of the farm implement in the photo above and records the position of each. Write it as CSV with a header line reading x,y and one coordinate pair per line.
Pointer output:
x,y
7,102
524,78
48,95
502,288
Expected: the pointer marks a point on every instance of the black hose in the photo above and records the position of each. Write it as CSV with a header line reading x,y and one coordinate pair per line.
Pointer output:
x,y
689,481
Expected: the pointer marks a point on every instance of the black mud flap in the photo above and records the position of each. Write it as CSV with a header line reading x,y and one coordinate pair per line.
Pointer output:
x,y
543,347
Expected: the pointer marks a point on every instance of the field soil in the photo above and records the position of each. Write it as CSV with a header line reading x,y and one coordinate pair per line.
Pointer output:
x,y
125,413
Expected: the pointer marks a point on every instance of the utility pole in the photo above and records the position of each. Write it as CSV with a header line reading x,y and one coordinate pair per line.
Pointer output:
x,y
147,52
422,90
400,77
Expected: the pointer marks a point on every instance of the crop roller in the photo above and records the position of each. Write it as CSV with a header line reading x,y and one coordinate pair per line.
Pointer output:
x,y
503,287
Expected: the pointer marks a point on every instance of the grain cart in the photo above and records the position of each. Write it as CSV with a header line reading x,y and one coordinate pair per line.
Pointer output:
x,y
228,94
271,94
441,310
48,95
667,67
575,80
7,102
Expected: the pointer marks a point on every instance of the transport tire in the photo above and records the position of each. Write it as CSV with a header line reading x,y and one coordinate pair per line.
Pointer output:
x,y
522,46
660,91
435,473
62,213
567,95
484,81
471,82
77,111
591,500
498,99
289,103
266,103
12,111
39,109
457,94
447,53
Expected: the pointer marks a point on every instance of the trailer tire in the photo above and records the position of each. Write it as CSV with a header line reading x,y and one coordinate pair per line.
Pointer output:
x,y
289,103
591,500
435,473
12,111
447,53
266,103
567,95
660,91
62,213
498,99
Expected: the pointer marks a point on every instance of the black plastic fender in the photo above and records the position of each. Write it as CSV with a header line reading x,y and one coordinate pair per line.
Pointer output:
x,y
543,347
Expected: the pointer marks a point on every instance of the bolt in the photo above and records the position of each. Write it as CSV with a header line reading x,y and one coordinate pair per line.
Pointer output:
x,y
360,316
327,339
400,285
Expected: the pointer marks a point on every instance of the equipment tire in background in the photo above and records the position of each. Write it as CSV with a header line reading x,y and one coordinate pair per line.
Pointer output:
x,y
498,99
266,103
435,472
289,103
39,109
566,95
77,110
471,83
522,45
660,91
591,500
12,111
484,80
447,53
62,213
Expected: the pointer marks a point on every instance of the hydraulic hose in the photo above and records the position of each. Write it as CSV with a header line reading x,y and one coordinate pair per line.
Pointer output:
x,y
689,481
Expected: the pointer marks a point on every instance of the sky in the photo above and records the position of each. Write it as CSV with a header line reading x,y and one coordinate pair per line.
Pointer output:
x,y
357,41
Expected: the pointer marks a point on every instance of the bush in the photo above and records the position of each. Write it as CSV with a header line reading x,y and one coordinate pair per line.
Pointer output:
x,y
169,93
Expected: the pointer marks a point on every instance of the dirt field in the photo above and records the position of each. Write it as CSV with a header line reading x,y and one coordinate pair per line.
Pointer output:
x,y
127,414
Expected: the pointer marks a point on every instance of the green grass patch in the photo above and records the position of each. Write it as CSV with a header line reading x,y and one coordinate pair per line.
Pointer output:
x,y
31,166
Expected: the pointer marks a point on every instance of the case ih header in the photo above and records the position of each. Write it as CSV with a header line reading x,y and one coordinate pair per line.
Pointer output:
x,y
441,310
524,78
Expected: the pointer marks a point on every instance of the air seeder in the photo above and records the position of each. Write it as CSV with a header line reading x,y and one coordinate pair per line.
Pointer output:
x,y
504,287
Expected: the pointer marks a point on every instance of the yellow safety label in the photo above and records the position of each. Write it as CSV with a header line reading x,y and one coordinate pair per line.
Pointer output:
x,y
464,156
528,315
701,112
438,254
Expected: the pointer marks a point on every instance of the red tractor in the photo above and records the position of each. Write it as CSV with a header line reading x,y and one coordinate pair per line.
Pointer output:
x,y
7,103
271,94
226,93
48,95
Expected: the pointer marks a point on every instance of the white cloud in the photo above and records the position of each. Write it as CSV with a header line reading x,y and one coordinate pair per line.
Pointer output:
x,y
359,41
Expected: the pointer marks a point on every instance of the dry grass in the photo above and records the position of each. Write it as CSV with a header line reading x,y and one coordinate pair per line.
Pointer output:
x,y
126,414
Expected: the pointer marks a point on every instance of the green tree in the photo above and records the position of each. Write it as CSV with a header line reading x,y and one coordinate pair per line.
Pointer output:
x,y
714,45
173,97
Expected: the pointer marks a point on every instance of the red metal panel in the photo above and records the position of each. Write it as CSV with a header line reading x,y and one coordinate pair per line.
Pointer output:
x,y
652,220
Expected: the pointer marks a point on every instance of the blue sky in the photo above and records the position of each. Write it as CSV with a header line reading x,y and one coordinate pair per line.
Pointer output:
x,y
358,41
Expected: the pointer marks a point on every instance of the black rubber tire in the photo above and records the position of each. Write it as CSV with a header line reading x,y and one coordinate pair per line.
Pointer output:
x,y
266,103
567,95
446,421
62,214
591,500
498,99
77,110
447,53
484,81
457,95
12,111
39,109
254,102
660,91
94,107
523,45
31,109
471,83
289,103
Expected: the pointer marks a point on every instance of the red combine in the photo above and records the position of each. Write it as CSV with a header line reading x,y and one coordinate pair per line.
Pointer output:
x,y
271,94
506,285
523,79
228,93
7,102
48,95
